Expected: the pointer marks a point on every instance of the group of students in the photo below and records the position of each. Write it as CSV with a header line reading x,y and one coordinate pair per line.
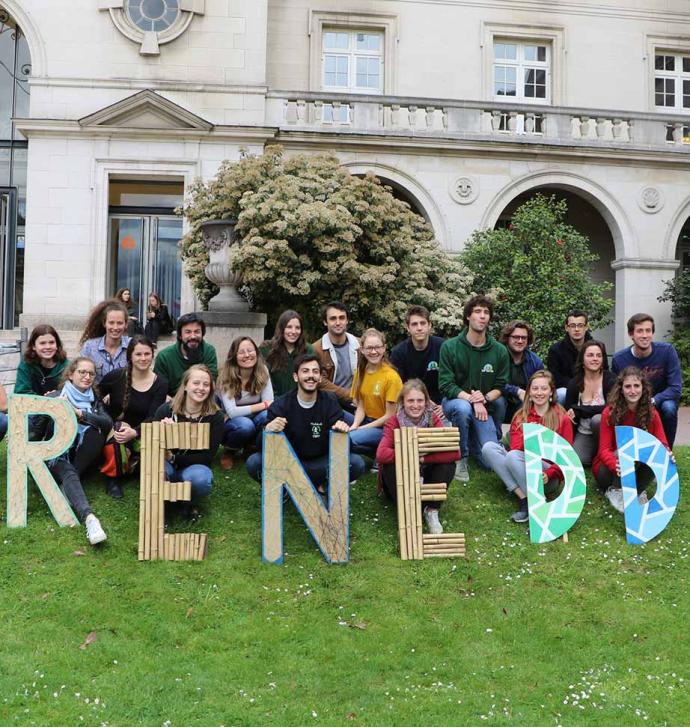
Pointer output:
x,y
340,383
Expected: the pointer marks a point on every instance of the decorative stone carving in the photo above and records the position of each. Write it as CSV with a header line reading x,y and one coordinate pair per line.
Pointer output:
x,y
464,190
152,22
650,199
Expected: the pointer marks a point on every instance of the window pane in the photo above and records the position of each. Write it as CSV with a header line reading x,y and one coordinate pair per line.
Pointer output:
x,y
505,50
659,63
333,40
369,41
686,64
541,53
669,63
529,75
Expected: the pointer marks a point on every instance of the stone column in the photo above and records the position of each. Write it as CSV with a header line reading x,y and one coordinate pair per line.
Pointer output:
x,y
639,282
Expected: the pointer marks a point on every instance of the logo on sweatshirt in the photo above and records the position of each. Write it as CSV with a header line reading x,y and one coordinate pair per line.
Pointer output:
x,y
488,369
432,366
376,391
316,430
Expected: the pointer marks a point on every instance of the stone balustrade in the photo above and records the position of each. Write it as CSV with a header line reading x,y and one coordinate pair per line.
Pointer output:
x,y
448,119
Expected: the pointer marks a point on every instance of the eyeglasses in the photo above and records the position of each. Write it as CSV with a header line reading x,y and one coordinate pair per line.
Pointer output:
x,y
373,349
577,326
84,373
518,338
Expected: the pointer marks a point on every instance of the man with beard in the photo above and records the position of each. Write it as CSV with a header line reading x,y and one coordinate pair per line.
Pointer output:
x,y
190,349
517,337
306,415
473,370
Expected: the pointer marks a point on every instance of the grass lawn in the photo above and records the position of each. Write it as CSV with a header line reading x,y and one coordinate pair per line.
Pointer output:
x,y
592,631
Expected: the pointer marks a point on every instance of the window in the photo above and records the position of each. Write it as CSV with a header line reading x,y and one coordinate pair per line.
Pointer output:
x,y
521,71
153,15
672,81
352,61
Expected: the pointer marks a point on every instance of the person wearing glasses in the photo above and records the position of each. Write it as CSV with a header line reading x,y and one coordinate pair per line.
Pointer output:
x,y
93,426
562,355
375,389
517,336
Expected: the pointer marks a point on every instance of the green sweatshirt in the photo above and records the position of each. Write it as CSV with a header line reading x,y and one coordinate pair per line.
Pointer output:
x,y
32,378
171,364
464,367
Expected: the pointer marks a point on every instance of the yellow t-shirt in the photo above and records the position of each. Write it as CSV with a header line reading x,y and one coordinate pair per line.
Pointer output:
x,y
378,388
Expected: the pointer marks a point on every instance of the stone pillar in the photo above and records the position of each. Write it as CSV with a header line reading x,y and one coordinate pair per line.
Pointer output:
x,y
639,282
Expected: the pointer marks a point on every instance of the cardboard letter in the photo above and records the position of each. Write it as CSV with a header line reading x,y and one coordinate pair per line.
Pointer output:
x,y
330,527
24,456
549,520
644,522
154,542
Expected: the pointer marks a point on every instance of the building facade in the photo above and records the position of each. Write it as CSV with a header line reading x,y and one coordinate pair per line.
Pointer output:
x,y
464,108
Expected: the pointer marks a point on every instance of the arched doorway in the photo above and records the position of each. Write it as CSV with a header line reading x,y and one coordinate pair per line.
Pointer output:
x,y
587,220
15,69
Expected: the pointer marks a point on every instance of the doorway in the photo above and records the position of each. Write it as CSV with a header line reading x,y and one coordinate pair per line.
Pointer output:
x,y
144,234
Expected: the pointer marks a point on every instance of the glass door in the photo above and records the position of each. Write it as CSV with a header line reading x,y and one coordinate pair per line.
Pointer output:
x,y
144,258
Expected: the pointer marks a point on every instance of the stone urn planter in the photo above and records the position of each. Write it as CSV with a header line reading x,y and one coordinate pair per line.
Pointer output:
x,y
219,236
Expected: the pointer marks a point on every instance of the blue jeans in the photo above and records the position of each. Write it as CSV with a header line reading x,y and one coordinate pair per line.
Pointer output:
x,y
241,431
366,441
668,411
473,433
199,475
316,469
3,425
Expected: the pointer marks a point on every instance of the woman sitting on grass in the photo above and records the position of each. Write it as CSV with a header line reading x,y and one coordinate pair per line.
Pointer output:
x,y
415,409
281,352
375,389
40,371
539,407
93,425
194,402
245,389
133,395
629,404
585,398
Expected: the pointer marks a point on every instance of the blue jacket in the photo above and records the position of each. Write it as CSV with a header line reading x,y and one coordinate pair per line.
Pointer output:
x,y
661,367
531,363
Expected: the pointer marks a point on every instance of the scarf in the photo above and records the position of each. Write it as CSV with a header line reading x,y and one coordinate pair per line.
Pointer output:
x,y
81,400
423,422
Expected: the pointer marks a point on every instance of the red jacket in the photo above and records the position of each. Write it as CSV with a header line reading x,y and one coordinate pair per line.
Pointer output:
x,y
608,451
385,454
517,439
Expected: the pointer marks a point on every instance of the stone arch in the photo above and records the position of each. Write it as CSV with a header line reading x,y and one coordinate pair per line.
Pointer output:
x,y
674,229
32,35
622,233
411,188
590,209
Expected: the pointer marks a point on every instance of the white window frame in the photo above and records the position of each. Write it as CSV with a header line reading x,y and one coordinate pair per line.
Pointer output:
x,y
321,22
553,37
669,45
351,54
521,65
678,76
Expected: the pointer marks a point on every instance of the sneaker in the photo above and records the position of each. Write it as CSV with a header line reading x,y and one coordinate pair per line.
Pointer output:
x,y
94,531
462,471
642,498
113,488
615,496
522,515
433,524
374,468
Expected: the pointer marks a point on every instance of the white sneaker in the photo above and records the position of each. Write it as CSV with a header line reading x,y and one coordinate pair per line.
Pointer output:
x,y
94,531
433,524
615,496
642,498
462,471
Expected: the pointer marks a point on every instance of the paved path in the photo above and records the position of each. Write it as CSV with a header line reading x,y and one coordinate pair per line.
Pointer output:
x,y
683,435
